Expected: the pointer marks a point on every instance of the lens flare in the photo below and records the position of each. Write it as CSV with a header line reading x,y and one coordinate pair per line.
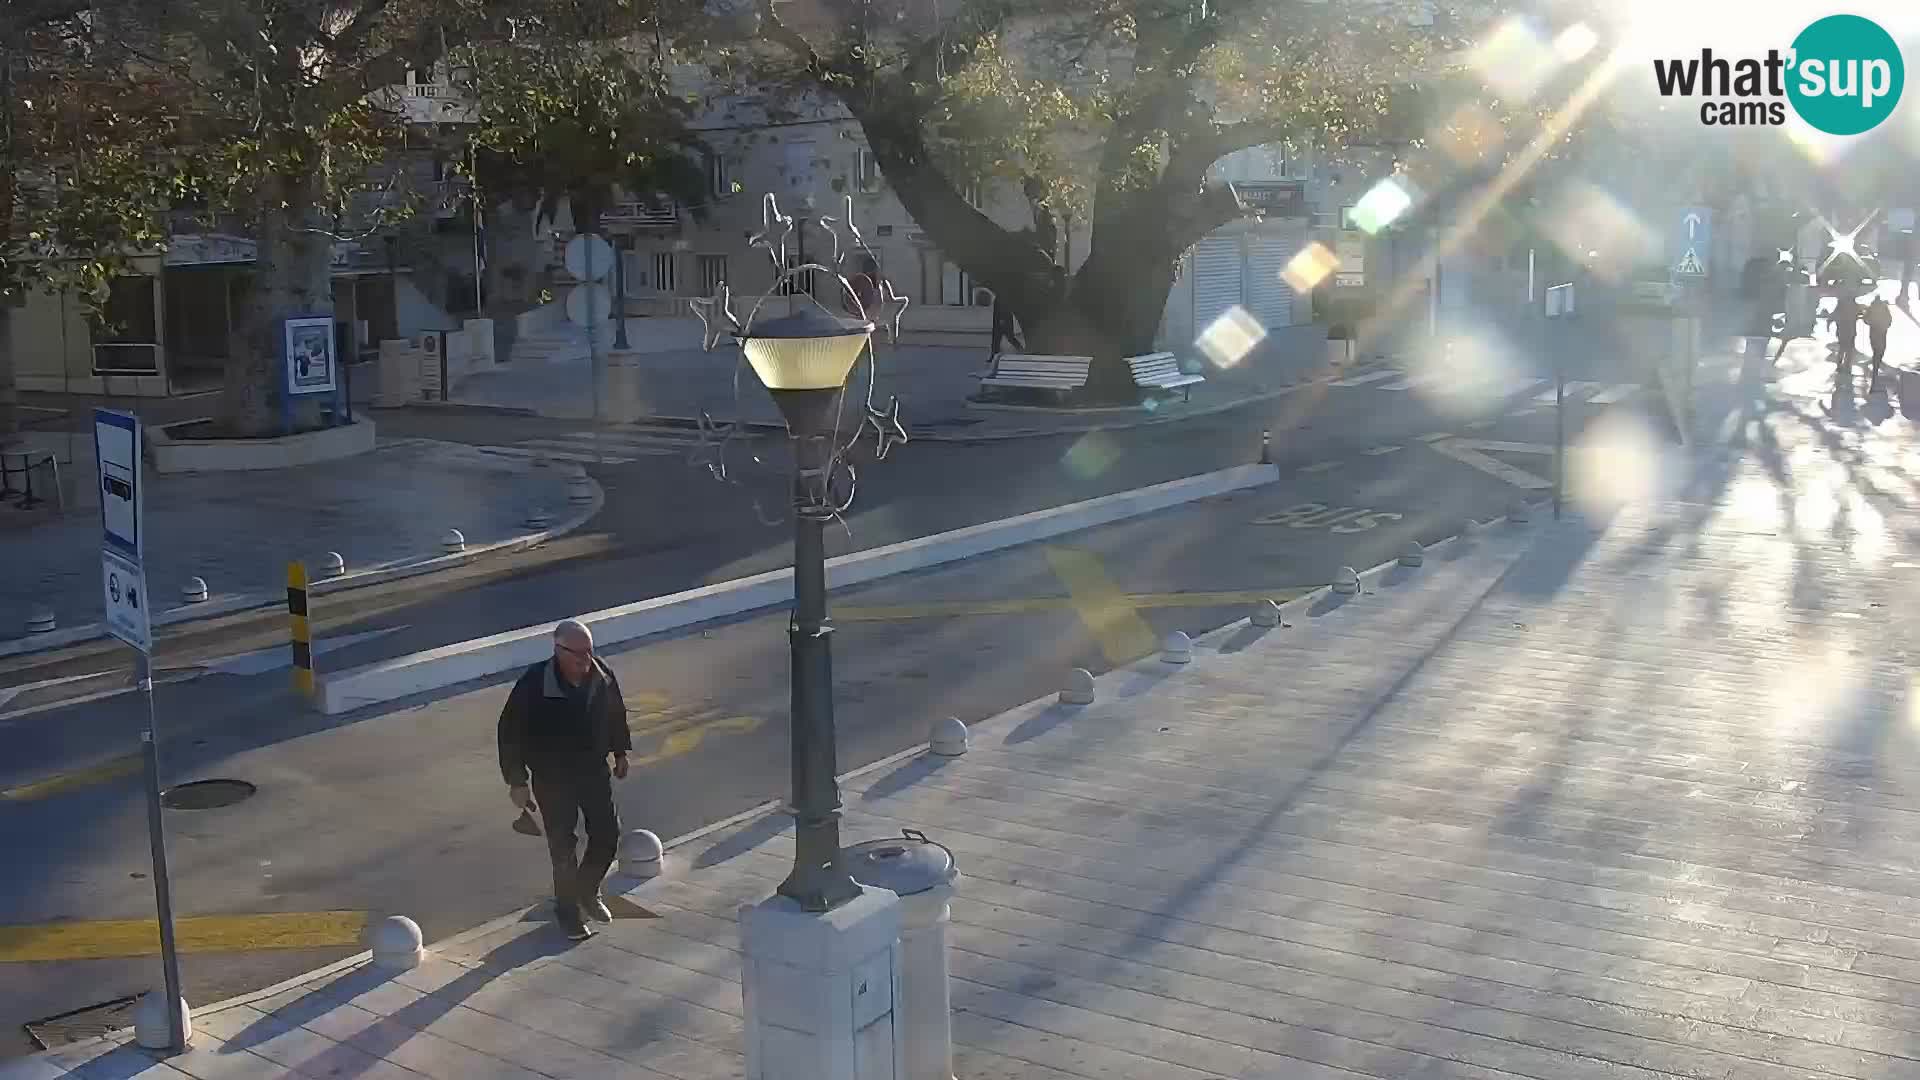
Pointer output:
x,y
1309,267
1381,206
1229,338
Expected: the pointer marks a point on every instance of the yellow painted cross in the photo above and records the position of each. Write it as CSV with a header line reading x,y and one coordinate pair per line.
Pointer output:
x,y
1114,623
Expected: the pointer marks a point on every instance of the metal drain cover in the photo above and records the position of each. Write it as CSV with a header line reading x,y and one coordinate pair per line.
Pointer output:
x,y
80,1025
206,794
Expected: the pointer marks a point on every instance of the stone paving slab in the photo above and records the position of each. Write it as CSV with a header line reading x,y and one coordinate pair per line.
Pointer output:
x,y
239,530
1623,797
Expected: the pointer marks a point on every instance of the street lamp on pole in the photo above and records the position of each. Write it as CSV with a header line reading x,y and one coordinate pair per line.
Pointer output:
x,y
803,360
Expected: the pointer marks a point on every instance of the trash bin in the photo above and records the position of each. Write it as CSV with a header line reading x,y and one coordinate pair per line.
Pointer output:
x,y
922,873
1339,346
1909,393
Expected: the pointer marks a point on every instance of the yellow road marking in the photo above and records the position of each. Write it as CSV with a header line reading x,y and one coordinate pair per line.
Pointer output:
x,y
63,782
1122,634
687,740
1138,601
199,933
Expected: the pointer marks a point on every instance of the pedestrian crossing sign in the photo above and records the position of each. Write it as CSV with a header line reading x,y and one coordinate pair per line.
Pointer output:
x,y
1689,264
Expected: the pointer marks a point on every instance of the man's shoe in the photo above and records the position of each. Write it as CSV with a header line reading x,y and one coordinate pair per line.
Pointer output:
x,y
595,908
572,925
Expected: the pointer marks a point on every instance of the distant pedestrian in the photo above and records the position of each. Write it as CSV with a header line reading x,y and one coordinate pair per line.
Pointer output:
x,y
1879,320
562,720
867,285
1004,328
1846,325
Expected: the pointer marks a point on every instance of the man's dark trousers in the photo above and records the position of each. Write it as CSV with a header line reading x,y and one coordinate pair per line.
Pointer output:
x,y
567,791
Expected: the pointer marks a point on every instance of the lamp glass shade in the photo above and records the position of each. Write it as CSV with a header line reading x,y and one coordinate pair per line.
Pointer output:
x,y
808,350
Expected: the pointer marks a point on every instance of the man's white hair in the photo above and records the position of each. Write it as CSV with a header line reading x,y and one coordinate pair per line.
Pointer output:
x,y
573,628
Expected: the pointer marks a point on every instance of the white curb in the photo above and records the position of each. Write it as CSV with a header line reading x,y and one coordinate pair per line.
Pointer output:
x,y
450,665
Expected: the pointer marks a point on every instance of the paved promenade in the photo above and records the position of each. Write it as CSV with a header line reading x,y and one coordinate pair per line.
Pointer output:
x,y
1627,796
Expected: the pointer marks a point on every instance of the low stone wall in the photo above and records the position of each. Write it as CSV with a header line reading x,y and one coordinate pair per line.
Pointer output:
x,y
173,454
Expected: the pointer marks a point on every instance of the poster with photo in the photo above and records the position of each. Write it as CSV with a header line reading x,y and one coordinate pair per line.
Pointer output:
x,y
309,355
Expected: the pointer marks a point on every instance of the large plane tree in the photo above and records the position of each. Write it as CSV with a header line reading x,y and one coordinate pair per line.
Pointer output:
x,y
1109,113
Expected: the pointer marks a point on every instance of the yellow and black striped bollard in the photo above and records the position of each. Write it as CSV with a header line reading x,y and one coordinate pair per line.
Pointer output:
x,y
302,630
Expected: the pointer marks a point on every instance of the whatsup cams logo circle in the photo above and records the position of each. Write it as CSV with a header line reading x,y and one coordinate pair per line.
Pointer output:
x,y
1845,75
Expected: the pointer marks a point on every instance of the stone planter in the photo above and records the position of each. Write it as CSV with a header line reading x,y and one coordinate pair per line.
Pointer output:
x,y
176,453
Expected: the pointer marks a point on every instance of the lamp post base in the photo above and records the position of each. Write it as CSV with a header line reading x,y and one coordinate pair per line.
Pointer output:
x,y
818,989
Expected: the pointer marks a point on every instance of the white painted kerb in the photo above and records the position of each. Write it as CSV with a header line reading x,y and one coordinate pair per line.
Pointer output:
x,y
453,664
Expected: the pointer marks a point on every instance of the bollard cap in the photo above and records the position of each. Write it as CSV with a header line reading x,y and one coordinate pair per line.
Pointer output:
x,y
454,536
1266,613
1518,511
1414,555
1078,688
949,737
194,587
641,845
903,865
396,942
1176,647
1346,582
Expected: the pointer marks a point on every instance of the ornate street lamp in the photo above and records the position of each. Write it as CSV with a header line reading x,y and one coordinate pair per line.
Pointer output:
x,y
804,360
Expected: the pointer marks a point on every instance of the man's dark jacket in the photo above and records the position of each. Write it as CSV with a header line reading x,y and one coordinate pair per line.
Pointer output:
x,y
543,725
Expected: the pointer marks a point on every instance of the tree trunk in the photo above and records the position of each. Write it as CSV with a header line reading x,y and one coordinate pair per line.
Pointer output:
x,y
293,277
1112,309
9,393
512,277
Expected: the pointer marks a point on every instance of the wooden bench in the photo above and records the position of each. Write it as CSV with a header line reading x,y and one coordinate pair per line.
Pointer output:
x,y
1060,375
1161,371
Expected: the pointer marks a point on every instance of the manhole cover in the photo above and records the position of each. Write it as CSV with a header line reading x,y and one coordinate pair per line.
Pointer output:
x,y
206,794
81,1024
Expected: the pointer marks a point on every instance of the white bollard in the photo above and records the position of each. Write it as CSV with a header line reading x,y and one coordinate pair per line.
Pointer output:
x,y
641,854
332,565
454,542
151,1028
1177,648
194,591
396,944
40,620
1266,613
537,518
1518,513
1078,689
1414,555
1346,582
949,737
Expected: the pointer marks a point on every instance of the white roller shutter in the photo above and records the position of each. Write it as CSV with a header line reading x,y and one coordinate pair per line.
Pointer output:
x,y
1216,279
1269,297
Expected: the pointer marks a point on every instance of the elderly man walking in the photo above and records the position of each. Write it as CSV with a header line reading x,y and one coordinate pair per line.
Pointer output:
x,y
563,719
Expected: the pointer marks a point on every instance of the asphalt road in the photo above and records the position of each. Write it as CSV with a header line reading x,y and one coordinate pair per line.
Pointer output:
x,y
401,809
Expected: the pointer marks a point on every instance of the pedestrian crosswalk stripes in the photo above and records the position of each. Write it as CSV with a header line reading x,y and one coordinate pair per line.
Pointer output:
x,y
1396,379
615,445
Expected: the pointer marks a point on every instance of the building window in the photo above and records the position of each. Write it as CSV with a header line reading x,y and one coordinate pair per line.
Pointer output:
x,y
663,276
866,171
943,282
971,192
717,183
713,273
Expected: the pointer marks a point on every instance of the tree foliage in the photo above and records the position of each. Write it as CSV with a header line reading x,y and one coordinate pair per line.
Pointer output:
x,y
1114,111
